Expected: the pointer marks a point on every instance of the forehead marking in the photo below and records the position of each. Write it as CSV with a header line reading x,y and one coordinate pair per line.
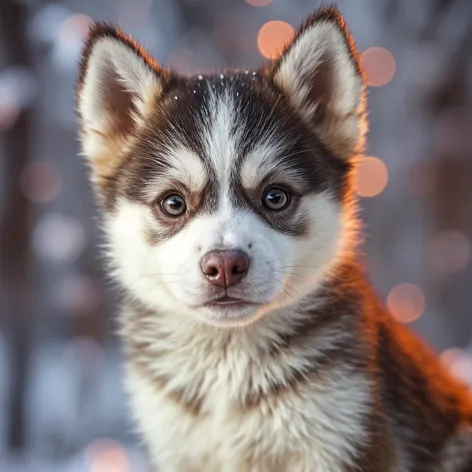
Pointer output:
x,y
264,159
188,168
221,141
277,161
181,165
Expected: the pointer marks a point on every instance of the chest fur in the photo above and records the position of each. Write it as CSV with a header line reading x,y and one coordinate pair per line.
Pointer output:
x,y
239,412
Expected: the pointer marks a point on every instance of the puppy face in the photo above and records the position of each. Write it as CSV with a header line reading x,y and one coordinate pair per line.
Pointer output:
x,y
224,196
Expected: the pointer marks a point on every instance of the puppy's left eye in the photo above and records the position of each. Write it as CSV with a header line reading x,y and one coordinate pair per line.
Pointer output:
x,y
276,199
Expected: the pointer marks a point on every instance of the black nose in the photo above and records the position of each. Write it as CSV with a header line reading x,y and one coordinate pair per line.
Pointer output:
x,y
225,268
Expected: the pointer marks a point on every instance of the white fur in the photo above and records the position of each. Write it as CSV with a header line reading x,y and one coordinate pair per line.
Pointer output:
x,y
221,146
187,168
264,160
318,428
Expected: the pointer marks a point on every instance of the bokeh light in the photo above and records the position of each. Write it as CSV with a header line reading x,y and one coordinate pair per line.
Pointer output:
x,y
107,455
75,27
272,38
406,302
9,111
68,42
17,91
459,364
76,295
371,177
59,238
40,182
258,3
379,66
449,251
46,22
19,85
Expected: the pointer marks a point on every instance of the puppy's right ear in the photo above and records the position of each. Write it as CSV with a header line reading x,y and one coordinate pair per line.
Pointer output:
x,y
117,88
321,73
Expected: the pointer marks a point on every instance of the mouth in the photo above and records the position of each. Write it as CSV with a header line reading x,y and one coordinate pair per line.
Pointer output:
x,y
226,302
227,312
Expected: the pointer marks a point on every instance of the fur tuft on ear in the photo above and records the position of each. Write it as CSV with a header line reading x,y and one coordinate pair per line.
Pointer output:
x,y
117,86
321,73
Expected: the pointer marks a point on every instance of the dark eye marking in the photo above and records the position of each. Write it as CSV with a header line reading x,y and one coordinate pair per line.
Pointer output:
x,y
173,205
276,199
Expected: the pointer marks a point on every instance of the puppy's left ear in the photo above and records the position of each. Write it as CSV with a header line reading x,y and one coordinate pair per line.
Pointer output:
x,y
320,72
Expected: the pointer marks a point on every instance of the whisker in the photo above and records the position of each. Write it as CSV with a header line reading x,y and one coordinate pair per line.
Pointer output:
x,y
294,274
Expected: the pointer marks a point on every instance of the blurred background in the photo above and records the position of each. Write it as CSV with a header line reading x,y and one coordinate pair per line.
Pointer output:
x,y
61,402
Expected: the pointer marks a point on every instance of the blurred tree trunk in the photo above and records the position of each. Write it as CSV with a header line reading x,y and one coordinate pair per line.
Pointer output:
x,y
14,231
452,195
450,199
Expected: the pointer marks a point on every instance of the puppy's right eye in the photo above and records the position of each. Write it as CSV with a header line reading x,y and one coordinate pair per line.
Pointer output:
x,y
174,205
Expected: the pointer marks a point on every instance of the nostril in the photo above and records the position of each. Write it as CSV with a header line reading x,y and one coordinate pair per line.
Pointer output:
x,y
225,268
212,265
238,269
238,265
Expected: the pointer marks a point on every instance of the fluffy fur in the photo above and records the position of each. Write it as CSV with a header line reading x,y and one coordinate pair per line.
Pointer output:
x,y
309,373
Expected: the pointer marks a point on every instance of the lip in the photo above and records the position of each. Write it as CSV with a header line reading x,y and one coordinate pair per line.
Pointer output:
x,y
228,302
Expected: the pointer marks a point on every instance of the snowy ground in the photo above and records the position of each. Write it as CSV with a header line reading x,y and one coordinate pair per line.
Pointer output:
x,y
106,460
77,412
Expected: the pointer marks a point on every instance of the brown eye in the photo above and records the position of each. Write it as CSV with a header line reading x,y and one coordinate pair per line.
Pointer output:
x,y
174,205
275,199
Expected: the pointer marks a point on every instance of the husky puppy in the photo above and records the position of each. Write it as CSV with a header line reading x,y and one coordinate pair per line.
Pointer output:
x,y
254,339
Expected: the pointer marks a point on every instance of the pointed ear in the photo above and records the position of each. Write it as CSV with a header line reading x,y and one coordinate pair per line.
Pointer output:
x,y
117,87
321,73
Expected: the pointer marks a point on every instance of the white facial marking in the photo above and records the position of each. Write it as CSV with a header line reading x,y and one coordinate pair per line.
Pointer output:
x,y
265,159
221,145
